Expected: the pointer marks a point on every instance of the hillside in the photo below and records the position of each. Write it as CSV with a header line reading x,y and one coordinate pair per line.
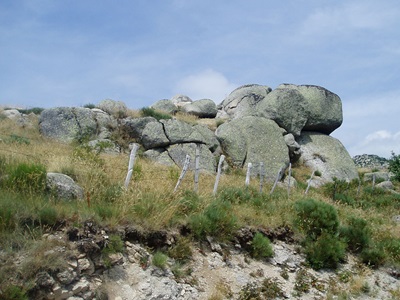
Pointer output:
x,y
338,241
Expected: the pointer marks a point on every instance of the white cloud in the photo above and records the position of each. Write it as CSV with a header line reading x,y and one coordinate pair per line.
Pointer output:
x,y
380,142
205,84
343,19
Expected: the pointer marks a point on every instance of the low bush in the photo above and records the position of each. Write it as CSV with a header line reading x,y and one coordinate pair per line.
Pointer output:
x,y
182,250
261,247
160,260
151,112
373,256
316,217
27,178
326,252
394,165
217,220
356,234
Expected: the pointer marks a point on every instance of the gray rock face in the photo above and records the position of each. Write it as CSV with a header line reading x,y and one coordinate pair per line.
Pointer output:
x,y
204,108
386,185
115,108
379,176
181,132
104,146
255,140
327,155
153,136
178,154
181,100
67,123
165,105
323,108
63,186
243,100
287,107
134,126
105,123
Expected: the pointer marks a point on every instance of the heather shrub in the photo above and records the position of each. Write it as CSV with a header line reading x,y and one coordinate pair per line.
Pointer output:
x,y
261,247
316,217
356,234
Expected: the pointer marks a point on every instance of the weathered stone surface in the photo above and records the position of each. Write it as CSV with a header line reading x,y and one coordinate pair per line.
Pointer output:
x,y
327,155
178,154
159,155
134,126
324,108
67,123
165,105
153,136
181,100
104,146
243,101
63,186
293,146
287,107
209,137
181,132
379,176
204,108
386,185
115,108
255,140
105,123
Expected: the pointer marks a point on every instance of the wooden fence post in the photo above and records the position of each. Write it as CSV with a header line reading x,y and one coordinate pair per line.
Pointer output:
x,y
249,167
184,169
197,168
309,183
262,175
221,160
289,175
132,156
373,181
276,180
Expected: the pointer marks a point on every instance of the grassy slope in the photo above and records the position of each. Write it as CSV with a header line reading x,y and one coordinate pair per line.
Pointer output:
x,y
151,203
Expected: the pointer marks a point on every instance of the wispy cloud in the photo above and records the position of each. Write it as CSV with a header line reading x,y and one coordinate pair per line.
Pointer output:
x,y
380,142
205,84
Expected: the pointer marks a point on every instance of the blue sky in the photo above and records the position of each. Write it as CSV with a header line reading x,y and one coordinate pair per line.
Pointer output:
x,y
71,53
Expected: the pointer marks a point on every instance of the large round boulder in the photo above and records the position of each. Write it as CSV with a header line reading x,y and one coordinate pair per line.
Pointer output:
x,y
181,100
67,123
323,153
255,140
204,108
115,108
323,108
287,107
242,101
63,187
165,105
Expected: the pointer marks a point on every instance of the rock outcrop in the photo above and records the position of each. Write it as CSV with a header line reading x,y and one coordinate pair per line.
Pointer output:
x,y
255,140
204,108
63,187
327,155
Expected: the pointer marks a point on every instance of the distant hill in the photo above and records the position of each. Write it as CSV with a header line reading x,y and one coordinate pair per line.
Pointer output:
x,y
370,161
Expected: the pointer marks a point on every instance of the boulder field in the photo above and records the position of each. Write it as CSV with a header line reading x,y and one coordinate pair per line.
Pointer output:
x,y
289,124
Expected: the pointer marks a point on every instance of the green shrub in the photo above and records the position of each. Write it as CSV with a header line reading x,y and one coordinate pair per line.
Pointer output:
x,y
151,112
114,245
217,220
357,235
316,217
182,250
27,178
326,252
189,203
394,165
13,292
373,256
18,139
160,260
35,110
392,247
261,247
344,199
48,216
89,105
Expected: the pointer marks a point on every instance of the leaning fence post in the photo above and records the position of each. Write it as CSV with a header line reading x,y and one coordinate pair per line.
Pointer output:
x,y
373,181
262,174
359,187
221,160
184,169
132,156
289,175
309,183
197,168
276,180
249,167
